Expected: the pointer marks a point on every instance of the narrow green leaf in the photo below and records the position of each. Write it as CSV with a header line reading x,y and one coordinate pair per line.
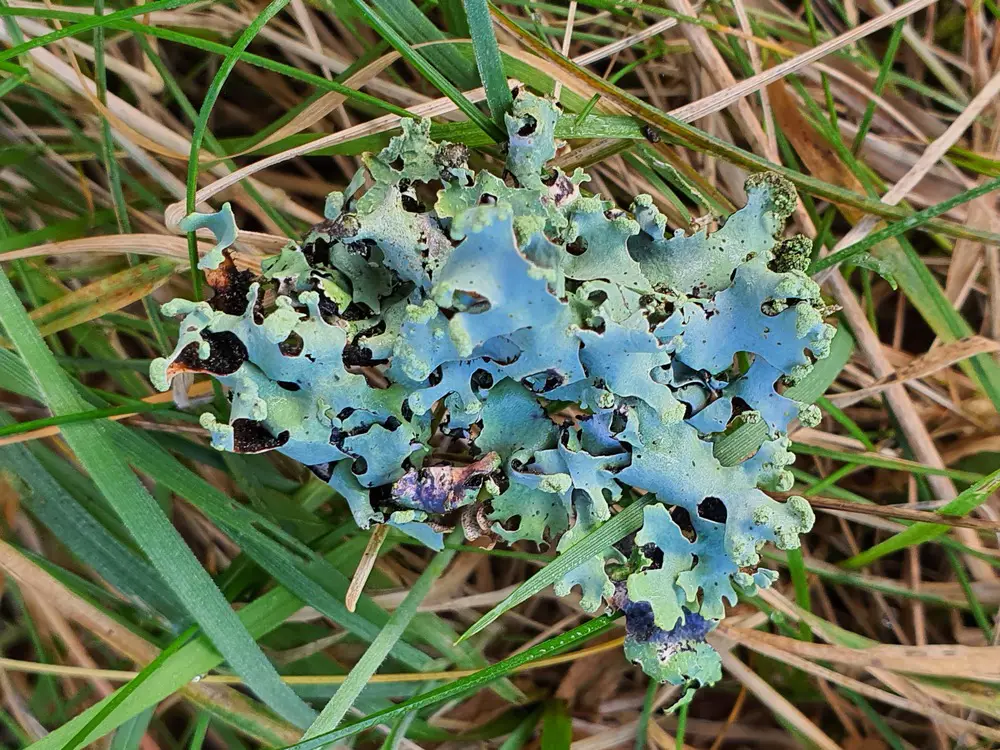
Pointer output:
x,y
290,561
975,606
612,531
883,74
18,428
699,140
464,685
797,571
335,711
83,535
200,730
114,175
682,718
428,71
557,729
413,25
129,736
89,22
60,230
922,532
645,714
491,71
522,734
201,124
198,657
899,227
145,519
18,75
130,687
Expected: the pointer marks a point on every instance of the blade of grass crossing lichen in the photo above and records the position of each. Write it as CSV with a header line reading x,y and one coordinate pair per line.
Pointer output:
x,y
488,60
620,526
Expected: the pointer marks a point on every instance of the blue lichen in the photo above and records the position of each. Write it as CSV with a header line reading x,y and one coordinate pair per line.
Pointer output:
x,y
519,357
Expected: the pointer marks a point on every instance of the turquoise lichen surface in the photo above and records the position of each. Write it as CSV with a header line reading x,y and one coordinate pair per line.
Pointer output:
x,y
514,355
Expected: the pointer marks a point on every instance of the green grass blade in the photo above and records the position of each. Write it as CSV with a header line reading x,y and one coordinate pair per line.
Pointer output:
x,y
899,227
129,736
414,25
145,519
289,561
88,23
201,124
428,71
886,462
491,71
82,416
645,714
922,532
883,74
698,140
464,685
130,687
557,727
335,711
620,526
84,536
198,657
113,172
522,733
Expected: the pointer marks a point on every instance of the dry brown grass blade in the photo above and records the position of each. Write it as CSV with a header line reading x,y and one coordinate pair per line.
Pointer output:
x,y
160,245
712,61
927,364
323,106
365,566
176,211
632,39
103,296
901,512
121,675
770,697
931,156
736,91
815,151
913,427
969,662
803,136
954,724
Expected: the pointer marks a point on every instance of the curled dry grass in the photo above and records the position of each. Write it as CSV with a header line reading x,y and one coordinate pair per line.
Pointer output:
x,y
881,632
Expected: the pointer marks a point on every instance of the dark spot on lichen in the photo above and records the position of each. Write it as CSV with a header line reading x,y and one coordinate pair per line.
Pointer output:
x,y
253,437
231,287
713,509
226,354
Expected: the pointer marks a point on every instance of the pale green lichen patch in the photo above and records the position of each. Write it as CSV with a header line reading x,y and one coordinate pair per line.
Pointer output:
x,y
417,349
